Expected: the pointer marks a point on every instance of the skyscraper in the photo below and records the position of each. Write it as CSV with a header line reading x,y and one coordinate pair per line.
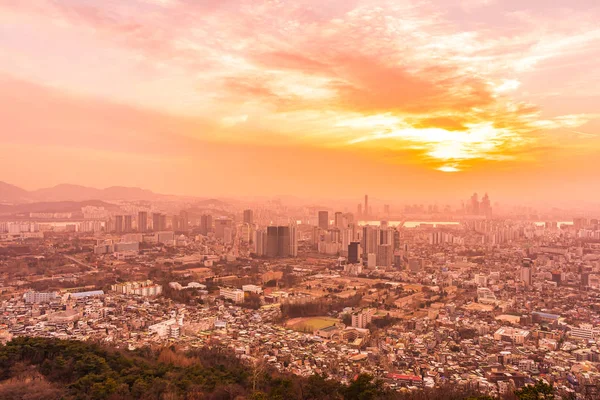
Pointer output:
x,y
366,205
324,220
339,220
206,224
272,241
159,222
354,252
127,223
260,242
142,222
118,223
485,207
293,241
526,271
248,217
474,206
370,240
176,223
282,241
221,225
184,221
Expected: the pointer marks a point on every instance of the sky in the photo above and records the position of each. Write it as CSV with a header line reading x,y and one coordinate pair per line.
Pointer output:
x,y
402,99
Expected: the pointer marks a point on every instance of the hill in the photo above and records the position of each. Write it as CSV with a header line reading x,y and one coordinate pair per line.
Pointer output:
x,y
54,207
65,192
52,369
11,193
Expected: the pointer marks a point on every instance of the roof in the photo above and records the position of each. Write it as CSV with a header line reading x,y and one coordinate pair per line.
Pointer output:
x,y
413,378
88,294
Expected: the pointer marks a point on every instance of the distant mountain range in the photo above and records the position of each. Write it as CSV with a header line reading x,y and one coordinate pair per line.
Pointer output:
x,y
12,194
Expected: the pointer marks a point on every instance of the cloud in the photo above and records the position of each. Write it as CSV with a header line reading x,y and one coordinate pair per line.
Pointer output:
x,y
358,73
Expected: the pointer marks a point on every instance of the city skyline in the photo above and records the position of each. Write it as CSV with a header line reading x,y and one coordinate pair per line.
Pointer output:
x,y
395,98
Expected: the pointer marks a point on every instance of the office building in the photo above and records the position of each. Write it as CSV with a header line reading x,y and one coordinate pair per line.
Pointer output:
x,y
248,217
324,220
142,222
366,205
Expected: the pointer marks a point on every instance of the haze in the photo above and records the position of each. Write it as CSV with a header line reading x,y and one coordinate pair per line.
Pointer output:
x,y
414,99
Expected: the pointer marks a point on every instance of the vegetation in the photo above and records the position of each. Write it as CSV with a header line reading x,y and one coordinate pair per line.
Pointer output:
x,y
319,307
36,368
539,391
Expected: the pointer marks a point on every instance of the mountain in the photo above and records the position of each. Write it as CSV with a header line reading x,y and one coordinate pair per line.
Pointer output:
x,y
12,194
54,206
76,193
66,192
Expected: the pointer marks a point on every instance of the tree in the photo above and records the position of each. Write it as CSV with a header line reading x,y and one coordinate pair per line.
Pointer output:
x,y
539,391
364,387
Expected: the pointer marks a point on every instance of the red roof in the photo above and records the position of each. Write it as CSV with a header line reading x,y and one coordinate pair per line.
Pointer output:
x,y
401,377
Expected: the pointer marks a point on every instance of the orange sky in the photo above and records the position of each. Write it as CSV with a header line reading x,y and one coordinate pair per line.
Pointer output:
x,y
403,99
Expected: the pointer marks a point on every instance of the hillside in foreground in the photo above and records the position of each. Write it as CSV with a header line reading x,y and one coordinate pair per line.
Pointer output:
x,y
50,369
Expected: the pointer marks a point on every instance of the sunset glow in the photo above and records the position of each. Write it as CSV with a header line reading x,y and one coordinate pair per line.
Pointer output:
x,y
447,90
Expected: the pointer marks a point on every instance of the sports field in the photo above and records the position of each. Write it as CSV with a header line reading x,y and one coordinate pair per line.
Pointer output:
x,y
310,324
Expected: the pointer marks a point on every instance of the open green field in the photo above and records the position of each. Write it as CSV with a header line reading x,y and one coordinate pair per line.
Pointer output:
x,y
310,324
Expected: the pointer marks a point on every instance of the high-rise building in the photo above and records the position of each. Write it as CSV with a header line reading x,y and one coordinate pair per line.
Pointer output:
x,y
142,222
385,255
272,241
359,210
282,241
324,220
221,224
338,220
159,222
184,221
363,318
485,207
370,240
260,242
474,206
526,271
206,224
366,205
248,217
354,252
293,241
119,228
386,209
127,223
176,223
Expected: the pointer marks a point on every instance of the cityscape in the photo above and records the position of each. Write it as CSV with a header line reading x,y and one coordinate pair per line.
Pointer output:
x,y
417,296
299,200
